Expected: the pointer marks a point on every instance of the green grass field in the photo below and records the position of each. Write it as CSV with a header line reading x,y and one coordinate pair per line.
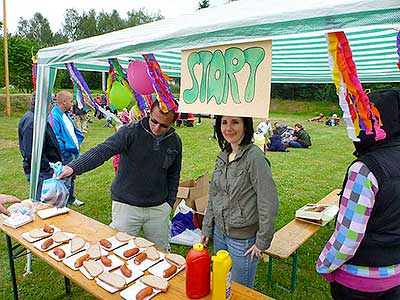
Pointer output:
x,y
301,175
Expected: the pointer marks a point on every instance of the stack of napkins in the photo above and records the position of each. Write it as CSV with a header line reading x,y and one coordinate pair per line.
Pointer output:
x,y
17,219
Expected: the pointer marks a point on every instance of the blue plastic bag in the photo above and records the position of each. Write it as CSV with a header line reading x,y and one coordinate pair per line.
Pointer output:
x,y
182,219
54,191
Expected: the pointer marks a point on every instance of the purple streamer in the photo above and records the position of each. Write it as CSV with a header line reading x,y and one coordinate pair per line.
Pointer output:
x,y
398,44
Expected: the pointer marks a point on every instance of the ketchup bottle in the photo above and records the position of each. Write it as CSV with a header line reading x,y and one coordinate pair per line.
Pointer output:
x,y
197,272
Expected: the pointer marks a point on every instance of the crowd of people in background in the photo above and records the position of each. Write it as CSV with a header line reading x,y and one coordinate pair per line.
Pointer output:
x,y
279,137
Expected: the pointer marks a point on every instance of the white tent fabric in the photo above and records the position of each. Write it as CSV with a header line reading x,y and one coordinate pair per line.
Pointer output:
x,y
296,28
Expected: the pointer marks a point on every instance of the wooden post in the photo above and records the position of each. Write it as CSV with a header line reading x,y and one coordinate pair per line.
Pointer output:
x,y
8,104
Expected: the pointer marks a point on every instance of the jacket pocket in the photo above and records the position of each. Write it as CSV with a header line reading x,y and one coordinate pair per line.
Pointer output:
x,y
169,158
235,215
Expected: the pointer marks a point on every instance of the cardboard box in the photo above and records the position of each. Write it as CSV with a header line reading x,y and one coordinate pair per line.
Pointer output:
x,y
191,190
195,193
201,205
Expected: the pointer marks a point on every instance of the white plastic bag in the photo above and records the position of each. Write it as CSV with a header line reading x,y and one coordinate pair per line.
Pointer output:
x,y
183,229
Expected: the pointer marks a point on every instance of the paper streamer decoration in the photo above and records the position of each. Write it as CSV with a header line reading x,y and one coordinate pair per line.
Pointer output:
x,y
34,72
138,77
164,96
398,49
358,112
77,78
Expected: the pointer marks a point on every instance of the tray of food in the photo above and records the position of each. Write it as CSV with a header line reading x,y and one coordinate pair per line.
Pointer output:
x,y
149,257
169,267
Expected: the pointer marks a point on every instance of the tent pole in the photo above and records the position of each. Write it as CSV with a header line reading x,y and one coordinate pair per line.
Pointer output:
x,y
103,81
8,103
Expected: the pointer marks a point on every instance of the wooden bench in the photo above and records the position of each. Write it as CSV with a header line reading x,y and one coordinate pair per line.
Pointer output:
x,y
290,237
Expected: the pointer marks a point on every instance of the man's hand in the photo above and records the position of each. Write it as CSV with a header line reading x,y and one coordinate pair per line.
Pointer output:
x,y
5,199
66,172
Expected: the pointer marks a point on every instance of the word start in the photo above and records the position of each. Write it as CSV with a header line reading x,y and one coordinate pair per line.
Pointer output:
x,y
218,74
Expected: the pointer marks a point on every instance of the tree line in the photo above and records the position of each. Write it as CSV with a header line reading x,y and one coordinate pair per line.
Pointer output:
x,y
35,34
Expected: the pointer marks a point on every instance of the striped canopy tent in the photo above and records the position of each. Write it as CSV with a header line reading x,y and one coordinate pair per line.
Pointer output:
x,y
297,30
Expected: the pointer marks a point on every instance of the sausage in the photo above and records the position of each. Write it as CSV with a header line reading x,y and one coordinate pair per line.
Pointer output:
x,y
140,258
48,229
170,271
105,243
46,244
131,252
125,271
60,253
143,293
79,262
106,261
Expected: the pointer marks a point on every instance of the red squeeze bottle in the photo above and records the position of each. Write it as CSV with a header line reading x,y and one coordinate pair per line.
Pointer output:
x,y
197,272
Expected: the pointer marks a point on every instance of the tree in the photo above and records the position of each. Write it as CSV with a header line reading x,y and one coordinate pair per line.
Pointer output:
x,y
110,22
142,17
204,4
19,60
37,28
70,25
87,25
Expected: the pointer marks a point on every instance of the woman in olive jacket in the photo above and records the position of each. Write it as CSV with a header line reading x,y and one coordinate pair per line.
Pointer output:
x,y
243,199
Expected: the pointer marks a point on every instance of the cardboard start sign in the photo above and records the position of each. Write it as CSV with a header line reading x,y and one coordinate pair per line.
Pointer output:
x,y
230,80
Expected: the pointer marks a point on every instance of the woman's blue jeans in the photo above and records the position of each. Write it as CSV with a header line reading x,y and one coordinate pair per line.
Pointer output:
x,y
243,271
70,181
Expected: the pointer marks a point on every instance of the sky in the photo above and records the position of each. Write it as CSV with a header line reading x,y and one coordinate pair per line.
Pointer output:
x,y
54,10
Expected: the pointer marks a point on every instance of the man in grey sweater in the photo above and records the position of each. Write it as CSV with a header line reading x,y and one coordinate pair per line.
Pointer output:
x,y
145,186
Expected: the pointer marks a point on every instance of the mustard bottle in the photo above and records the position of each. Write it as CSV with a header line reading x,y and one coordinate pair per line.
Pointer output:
x,y
221,276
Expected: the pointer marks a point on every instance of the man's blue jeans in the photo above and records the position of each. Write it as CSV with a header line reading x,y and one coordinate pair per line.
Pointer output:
x,y
243,271
295,144
70,181
42,177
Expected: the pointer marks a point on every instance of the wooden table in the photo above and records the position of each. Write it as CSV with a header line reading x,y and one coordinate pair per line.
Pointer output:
x,y
92,231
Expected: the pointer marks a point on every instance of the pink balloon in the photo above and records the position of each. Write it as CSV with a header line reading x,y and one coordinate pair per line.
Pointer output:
x,y
138,77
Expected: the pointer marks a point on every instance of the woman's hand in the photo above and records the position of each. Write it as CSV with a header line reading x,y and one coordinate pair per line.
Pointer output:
x,y
204,240
66,172
253,251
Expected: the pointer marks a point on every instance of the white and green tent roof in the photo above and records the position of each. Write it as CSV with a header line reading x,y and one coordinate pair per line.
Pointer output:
x,y
297,30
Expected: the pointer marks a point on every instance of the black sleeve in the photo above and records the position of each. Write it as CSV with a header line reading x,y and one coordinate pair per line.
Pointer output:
x,y
174,174
96,156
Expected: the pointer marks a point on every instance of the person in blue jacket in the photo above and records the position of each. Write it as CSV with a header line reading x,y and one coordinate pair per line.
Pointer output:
x,y
68,136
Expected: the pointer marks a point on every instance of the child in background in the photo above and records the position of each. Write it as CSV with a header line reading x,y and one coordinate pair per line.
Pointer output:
x,y
275,144
124,116
116,157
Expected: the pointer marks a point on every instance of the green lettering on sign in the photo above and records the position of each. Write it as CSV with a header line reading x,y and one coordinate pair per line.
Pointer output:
x,y
217,78
254,56
190,95
219,73
205,59
234,62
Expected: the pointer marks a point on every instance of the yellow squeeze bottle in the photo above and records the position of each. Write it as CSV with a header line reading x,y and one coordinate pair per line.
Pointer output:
x,y
221,276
